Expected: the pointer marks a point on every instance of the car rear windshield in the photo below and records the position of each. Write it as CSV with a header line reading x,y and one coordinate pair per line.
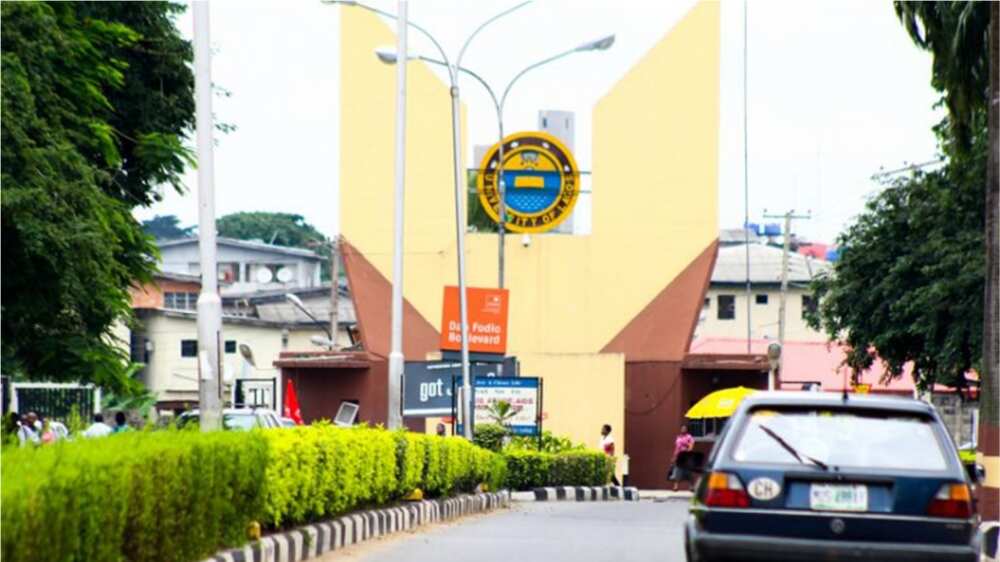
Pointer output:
x,y
841,438
239,421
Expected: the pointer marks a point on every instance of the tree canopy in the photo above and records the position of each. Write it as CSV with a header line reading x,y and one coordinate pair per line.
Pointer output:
x,y
909,281
96,98
166,227
282,229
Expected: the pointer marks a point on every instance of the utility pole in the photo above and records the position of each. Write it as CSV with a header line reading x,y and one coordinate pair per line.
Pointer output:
x,y
394,416
209,302
334,291
786,239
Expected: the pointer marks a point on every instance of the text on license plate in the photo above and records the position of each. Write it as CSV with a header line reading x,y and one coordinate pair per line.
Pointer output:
x,y
838,497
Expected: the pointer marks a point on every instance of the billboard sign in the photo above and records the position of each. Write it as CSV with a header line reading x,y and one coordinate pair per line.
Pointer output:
x,y
427,385
487,320
524,394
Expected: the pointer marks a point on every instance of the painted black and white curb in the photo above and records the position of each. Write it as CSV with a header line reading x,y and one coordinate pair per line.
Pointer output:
x,y
313,540
585,493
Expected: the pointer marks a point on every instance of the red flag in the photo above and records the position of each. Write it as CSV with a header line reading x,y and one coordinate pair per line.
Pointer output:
x,y
292,403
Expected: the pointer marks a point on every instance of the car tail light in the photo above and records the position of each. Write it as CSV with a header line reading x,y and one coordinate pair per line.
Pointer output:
x,y
952,500
726,490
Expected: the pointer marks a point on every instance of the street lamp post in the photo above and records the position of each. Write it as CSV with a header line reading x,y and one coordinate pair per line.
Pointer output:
x,y
601,44
459,194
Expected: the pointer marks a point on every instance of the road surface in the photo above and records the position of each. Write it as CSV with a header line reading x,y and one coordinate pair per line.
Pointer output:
x,y
540,531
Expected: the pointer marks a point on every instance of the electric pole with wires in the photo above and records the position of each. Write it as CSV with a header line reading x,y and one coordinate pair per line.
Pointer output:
x,y
786,235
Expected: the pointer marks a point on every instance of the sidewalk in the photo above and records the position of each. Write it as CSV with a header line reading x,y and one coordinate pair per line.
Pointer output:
x,y
665,495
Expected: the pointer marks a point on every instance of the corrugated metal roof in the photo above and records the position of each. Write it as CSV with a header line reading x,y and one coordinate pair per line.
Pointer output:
x,y
765,265
260,246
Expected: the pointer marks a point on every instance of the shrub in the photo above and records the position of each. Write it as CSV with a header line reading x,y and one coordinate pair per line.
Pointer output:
x,y
133,496
319,471
549,444
489,436
532,469
183,495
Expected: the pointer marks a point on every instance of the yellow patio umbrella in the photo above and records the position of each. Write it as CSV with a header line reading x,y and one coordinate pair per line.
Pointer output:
x,y
719,404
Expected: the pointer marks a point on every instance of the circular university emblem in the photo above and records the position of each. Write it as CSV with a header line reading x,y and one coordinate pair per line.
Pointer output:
x,y
541,181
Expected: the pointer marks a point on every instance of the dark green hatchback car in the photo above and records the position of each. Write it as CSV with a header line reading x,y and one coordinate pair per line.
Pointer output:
x,y
822,476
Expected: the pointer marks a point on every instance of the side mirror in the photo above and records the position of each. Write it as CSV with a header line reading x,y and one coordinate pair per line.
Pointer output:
x,y
692,461
976,472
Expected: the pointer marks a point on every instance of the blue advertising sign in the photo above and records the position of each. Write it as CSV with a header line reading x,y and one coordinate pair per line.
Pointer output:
x,y
427,385
524,394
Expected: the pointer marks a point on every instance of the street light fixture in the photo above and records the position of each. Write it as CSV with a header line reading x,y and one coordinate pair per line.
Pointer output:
x,y
395,371
602,44
297,303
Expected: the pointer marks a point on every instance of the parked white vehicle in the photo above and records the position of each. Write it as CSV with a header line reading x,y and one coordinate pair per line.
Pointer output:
x,y
237,418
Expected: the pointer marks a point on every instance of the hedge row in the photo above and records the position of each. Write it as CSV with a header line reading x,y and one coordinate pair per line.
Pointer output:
x,y
533,469
183,495
132,496
319,471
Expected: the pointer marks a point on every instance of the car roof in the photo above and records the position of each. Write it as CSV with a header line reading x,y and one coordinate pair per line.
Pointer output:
x,y
232,411
838,400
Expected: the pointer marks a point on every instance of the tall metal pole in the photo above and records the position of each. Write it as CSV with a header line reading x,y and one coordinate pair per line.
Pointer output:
x,y
334,291
395,417
746,180
209,302
463,307
502,208
784,278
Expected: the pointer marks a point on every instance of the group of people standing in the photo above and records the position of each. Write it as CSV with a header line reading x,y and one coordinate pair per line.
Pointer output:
x,y
683,442
34,430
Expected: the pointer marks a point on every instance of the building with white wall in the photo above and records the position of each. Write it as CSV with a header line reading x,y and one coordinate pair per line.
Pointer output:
x,y
724,311
245,266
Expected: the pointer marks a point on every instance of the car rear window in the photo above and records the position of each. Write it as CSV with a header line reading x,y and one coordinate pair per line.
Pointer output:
x,y
841,438
239,421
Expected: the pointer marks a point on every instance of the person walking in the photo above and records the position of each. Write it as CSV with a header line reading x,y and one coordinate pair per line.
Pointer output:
x,y
441,430
683,442
120,424
607,444
26,431
98,428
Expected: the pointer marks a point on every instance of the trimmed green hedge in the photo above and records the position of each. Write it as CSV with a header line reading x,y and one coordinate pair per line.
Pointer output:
x,y
183,495
135,496
533,469
318,471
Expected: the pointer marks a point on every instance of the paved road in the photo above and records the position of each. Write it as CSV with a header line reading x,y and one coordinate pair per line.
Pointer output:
x,y
543,531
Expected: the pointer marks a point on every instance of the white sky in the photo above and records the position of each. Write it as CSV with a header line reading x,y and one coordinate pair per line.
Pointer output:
x,y
836,90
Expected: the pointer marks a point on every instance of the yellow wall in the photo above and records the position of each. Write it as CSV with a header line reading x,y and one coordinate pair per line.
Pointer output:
x,y
655,173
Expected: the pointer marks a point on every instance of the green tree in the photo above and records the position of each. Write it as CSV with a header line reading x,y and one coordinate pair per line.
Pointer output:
x,y
92,119
282,229
166,227
963,38
909,281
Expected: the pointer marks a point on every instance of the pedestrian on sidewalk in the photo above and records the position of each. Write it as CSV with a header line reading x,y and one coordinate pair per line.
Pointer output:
x,y
683,442
27,433
607,444
98,428
441,431
121,425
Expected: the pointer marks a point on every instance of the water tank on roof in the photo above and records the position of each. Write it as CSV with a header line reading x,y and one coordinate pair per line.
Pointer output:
x,y
833,254
753,227
772,229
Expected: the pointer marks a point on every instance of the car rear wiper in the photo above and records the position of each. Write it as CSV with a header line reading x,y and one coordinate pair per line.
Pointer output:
x,y
784,444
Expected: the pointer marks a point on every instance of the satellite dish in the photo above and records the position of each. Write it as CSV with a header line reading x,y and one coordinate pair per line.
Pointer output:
x,y
264,275
247,353
285,275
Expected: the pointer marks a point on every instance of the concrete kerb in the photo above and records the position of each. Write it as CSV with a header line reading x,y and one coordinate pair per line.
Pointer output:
x,y
577,494
316,539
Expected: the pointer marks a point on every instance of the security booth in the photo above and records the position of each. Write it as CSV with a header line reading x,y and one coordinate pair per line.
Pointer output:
x,y
324,380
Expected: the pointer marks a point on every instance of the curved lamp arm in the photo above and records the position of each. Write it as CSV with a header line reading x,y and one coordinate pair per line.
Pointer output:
x,y
410,23
599,45
461,53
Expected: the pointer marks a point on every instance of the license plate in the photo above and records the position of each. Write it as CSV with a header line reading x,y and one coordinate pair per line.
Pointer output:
x,y
838,497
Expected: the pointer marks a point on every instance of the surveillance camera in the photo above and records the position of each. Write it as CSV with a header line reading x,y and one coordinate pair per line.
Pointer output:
x,y
526,240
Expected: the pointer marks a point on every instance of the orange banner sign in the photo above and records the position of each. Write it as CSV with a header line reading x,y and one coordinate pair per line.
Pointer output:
x,y
487,320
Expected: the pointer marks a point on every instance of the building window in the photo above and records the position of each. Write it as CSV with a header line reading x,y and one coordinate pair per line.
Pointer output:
x,y
727,307
137,348
761,299
180,301
808,305
229,272
708,303
189,348
230,346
